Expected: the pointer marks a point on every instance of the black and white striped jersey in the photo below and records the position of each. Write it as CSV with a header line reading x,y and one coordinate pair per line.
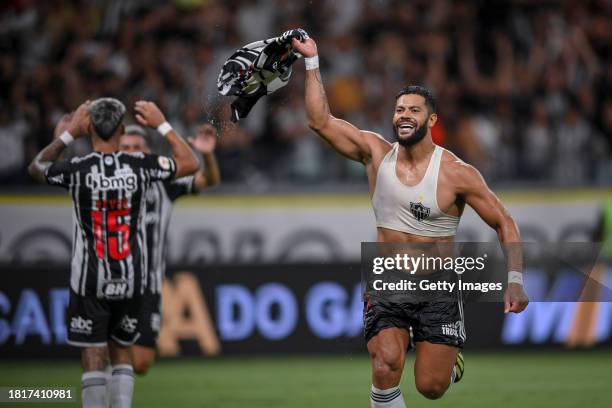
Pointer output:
x,y
109,257
160,198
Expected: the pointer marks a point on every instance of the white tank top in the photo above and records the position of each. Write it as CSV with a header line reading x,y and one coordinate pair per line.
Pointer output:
x,y
413,210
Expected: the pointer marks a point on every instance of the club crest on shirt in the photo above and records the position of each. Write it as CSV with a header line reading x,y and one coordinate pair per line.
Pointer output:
x,y
108,160
419,211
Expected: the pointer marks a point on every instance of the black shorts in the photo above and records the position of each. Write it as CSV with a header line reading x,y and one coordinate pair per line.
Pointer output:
x,y
92,321
150,320
439,322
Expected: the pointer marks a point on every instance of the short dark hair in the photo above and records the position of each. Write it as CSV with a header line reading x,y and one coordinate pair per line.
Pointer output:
x,y
430,100
106,115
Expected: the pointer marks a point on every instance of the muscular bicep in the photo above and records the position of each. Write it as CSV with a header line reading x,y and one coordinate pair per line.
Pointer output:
x,y
348,140
487,205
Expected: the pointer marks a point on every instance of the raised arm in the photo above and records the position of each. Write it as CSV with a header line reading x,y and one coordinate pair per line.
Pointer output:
x,y
345,138
148,114
205,142
476,193
71,126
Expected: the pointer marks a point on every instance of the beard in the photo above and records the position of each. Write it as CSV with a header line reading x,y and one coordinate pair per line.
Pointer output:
x,y
416,137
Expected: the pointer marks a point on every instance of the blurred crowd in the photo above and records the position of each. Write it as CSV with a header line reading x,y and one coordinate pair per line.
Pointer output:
x,y
523,86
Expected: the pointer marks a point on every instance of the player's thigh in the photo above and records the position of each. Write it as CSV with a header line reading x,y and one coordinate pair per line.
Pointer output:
x,y
434,362
388,348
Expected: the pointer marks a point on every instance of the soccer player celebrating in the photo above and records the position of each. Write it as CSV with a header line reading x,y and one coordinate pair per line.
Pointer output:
x,y
418,192
160,198
109,259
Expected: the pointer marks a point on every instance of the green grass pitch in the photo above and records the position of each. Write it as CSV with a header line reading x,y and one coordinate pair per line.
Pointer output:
x,y
517,379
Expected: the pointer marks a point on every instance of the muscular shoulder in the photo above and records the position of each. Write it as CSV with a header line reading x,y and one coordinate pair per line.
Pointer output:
x,y
379,146
462,176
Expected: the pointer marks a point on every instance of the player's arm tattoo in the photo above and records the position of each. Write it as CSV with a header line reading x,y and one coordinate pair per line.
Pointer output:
x,y
44,159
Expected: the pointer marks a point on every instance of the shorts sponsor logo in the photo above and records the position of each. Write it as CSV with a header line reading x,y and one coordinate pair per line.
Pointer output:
x,y
120,181
128,324
115,289
81,325
450,330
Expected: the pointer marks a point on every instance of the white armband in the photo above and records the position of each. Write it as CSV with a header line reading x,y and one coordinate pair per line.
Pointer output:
x,y
66,137
311,63
164,128
515,277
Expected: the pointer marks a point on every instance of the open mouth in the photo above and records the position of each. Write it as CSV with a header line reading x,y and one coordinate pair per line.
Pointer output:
x,y
406,128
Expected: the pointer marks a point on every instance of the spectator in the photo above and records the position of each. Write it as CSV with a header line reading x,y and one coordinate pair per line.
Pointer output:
x,y
502,72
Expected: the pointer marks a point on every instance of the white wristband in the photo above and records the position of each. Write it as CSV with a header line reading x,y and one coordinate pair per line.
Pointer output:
x,y
515,277
66,137
164,128
312,62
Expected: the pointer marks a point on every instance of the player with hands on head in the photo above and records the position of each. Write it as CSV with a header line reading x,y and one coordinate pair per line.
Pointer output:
x,y
418,191
108,267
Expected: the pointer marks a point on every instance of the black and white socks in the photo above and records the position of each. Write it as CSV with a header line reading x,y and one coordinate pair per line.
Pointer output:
x,y
389,398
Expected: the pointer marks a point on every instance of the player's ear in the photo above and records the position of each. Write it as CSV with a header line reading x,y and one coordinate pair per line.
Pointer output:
x,y
433,118
122,129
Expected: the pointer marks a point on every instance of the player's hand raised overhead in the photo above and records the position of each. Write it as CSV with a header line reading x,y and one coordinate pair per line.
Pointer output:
x,y
205,140
79,121
308,48
148,114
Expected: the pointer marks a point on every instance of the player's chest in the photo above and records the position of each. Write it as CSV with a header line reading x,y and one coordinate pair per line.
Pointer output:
x,y
416,188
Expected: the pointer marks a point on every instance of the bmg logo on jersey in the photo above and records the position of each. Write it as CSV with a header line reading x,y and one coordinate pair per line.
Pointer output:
x,y
115,289
81,325
122,180
128,324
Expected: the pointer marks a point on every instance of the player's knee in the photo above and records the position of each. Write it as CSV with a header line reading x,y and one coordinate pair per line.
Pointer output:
x,y
387,363
142,364
430,387
141,367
